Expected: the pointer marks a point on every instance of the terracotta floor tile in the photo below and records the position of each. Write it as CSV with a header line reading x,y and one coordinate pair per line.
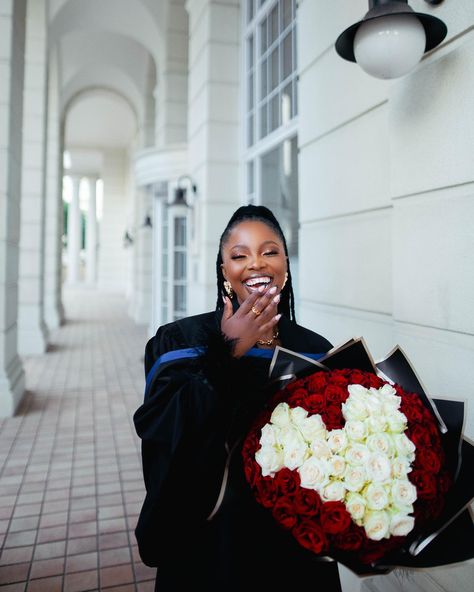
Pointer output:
x,y
47,567
16,555
19,587
20,539
54,533
82,529
81,581
10,574
116,556
25,523
81,545
27,510
143,572
146,586
113,540
50,550
112,525
46,585
82,562
116,575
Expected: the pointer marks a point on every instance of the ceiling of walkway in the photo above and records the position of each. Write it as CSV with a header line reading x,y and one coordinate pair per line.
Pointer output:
x,y
106,55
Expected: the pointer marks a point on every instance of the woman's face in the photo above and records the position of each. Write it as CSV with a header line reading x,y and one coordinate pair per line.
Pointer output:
x,y
252,256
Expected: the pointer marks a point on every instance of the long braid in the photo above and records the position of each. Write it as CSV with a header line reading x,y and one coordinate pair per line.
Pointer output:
x,y
260,214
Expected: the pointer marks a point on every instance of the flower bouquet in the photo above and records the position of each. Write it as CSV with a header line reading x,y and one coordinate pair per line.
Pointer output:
x,y
359,464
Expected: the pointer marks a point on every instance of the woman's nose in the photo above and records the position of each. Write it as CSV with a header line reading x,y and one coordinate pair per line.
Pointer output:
x,y
256,262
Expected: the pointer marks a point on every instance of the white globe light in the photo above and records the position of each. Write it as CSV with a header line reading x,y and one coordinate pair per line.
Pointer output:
x,y
390,46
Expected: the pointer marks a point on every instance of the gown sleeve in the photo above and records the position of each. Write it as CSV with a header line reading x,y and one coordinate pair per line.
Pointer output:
x,y
184,423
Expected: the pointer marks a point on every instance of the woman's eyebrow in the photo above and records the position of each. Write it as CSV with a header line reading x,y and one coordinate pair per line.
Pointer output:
x,y
267,242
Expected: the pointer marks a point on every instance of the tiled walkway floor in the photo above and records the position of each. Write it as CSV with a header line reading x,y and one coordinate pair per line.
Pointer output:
x,y
70,476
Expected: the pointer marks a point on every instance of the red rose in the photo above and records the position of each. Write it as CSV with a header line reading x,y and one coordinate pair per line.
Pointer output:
x,y
336,394
357,377
332,417
351,540
287,482
266,492
252,472
310,536
307,502
297,397
335,518
284,512
424,482
340,377
445,481
419,435
427,460
413,413
315,403
316,382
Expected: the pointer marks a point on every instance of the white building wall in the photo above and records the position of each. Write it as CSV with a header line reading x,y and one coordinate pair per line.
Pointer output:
x,y
12,55
213,135
387,203
114,259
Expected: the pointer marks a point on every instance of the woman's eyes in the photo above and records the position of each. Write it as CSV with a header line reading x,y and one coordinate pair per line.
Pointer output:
x,y
266,253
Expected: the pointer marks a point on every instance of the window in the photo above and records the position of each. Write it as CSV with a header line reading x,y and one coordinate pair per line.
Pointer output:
x,y
179,267
271,114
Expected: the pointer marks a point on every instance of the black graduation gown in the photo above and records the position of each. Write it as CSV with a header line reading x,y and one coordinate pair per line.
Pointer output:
x,y
197,406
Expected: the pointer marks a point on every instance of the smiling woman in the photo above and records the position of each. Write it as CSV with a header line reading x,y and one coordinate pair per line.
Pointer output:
x,y
207,378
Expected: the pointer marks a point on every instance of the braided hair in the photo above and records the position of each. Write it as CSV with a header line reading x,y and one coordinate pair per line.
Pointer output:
x,y
257,214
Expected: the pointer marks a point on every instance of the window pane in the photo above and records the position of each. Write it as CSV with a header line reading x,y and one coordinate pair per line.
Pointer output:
x,y
295,98
263,36
286,13
250,93
250,56
263,79
164,292
274,69
263,120
250,10
288,55
179,265
274,24
250,134
280,189
287,104
275,113
250,178
180,298
180,231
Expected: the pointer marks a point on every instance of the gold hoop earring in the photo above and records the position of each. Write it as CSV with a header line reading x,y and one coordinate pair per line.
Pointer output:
x,y
284,283
228,289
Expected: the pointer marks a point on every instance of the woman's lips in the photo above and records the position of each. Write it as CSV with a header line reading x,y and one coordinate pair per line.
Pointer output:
x,y
257,285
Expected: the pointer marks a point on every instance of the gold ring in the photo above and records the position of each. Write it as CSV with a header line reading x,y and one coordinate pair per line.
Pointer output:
x,y
255,311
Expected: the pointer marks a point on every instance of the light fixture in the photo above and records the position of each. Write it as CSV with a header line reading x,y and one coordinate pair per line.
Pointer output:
x,y
147,222
391,38
181,190
128,239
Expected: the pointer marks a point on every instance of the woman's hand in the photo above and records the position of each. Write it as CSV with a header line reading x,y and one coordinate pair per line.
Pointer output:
x,y
255,319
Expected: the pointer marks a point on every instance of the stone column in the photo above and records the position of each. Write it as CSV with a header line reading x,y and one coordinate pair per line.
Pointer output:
x,y
91,234
74,234
32,330
53,310
12,55
214,135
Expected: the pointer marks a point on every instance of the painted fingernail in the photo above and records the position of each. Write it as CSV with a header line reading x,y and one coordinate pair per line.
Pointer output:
x,y
277,317
276,300
261,289
272,290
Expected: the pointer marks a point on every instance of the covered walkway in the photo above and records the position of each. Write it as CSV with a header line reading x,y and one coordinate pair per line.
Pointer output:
x,y
70,476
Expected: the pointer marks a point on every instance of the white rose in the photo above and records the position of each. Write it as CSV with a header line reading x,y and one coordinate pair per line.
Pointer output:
x,y
396,421
404,446
391,401
377,422
314,473
355,477
356,430
401,524
333,492
355,406
377,496
374,402
400,467
337,440
355,505
388,391
403,492
337,465
281,415
357,454
298,415
378,467
320,449
269,435
270,459
380,442
313,428
377,524
295,450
